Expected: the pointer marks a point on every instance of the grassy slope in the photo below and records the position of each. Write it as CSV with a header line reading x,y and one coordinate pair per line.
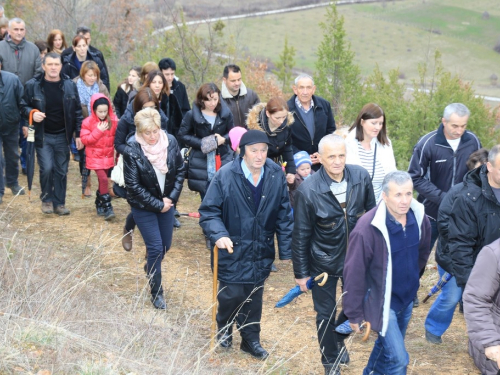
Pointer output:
x,y
393,37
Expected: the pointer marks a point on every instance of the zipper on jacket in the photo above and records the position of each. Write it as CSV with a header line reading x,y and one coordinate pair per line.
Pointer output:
x,y
454,168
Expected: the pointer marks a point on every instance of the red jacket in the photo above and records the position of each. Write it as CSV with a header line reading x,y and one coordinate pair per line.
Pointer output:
x,y
99,145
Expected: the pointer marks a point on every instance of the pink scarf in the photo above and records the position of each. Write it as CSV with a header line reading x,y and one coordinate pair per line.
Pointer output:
x,y
157,153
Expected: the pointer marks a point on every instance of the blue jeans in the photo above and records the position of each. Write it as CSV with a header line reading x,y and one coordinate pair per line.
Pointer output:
x,y
53,160
389,355
9,159
441,312
156,230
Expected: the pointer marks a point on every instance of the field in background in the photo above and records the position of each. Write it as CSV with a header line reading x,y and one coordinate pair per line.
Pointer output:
x,y
395,36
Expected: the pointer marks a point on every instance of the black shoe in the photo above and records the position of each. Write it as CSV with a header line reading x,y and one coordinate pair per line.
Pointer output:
x,y
107,207
24,171
159,302
177,223
98,204
176,213
16,189
273,268
225,339
432,338
416,302
254,349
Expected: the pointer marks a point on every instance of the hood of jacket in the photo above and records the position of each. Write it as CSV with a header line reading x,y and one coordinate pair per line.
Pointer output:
x,y
258,120
227,95
111,114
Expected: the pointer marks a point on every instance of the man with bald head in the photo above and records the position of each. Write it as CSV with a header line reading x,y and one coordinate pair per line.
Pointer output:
x,y
313,118
327,207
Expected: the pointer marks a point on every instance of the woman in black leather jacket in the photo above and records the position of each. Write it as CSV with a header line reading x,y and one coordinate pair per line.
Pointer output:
x,y
205,129
154,174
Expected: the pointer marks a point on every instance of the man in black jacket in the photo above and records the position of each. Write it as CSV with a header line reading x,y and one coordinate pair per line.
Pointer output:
x,y
11,105
327,207
313,118
237,96
245,205
475,216
168,67
58,120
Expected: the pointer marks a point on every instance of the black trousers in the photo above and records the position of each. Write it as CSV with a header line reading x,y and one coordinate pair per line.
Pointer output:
x,y
324,299
241,303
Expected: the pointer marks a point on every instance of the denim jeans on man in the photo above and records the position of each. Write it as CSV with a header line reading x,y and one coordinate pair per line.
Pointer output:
x,y
389,355
156,230
9,160
441,312
53,160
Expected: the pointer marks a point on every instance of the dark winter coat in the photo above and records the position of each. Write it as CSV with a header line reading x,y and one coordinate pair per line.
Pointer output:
x,y
120,100
11,101
69,68
280,140
367,282
474,223
126,127
324,124
228,211
322,228
292,188
93,50
482,307
443,256
240,105
143,190
194,127
179,90
435,167
35,99
170,107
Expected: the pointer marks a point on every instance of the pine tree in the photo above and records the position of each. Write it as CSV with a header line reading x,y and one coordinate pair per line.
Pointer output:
x,y
337,77
285,65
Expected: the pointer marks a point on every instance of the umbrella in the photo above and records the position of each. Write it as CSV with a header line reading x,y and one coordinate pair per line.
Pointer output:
x,y
214,294
30,152
295,291
436,288
191,214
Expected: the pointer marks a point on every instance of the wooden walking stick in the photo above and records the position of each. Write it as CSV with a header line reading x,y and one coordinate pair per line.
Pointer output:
x,y
214,295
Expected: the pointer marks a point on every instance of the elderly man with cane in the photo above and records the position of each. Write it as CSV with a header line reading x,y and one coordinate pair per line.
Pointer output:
x,y
245,205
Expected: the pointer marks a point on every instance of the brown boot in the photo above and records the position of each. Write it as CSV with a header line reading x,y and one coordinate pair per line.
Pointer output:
x,y
127,239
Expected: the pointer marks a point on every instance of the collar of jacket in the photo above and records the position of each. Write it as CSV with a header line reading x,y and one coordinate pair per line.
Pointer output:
x,y
41,81
293,107
15,46
227,95
477,184
324,187
441,139
257,120
269,167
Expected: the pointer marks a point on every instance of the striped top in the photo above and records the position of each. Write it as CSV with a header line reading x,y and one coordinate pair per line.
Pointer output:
x,y
366,158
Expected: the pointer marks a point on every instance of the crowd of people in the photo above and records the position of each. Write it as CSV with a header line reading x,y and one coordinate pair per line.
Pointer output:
x,y
333,198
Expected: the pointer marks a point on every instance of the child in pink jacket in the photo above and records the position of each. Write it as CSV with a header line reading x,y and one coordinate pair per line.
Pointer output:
x,y
98,135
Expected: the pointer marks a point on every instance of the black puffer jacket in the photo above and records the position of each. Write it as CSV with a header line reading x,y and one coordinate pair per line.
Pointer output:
x,y
170,106
126,127
35,99
194,127
228,211
474,222
69,68
280,140
143,190
179,90
321,228
120,100
443,256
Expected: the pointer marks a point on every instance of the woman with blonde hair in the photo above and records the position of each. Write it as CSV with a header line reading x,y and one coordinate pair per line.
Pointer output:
x,y
154,174
56,41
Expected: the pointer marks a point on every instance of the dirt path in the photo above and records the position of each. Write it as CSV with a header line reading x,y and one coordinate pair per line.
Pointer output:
x,y
288,333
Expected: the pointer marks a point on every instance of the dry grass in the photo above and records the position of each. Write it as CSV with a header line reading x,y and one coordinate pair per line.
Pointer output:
x,y
73,302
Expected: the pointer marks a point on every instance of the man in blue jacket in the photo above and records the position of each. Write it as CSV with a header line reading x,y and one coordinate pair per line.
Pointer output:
x,y
245,205
388,249
11,105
